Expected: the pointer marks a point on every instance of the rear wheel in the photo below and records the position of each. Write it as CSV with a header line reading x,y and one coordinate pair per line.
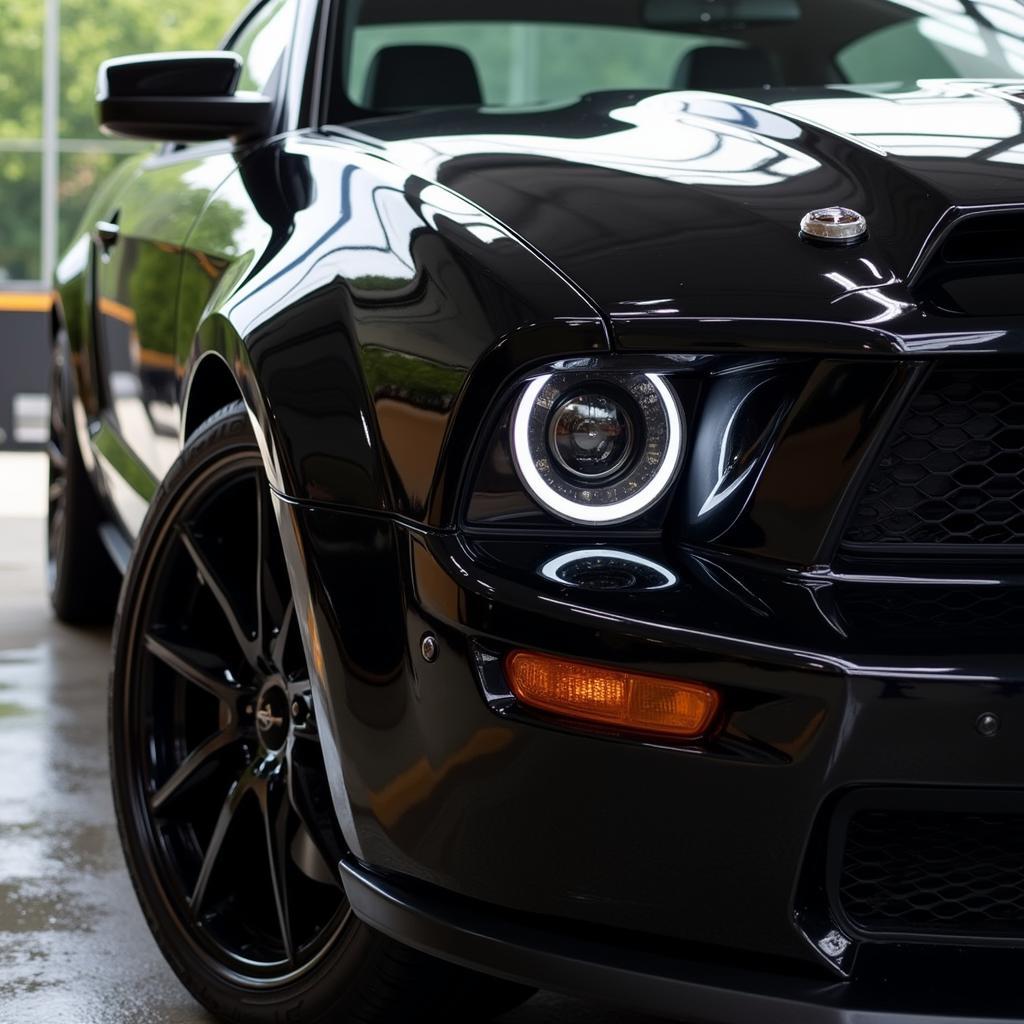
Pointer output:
x,y
83,582
219,779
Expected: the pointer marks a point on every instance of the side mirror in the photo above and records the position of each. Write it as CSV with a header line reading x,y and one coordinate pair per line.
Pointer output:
x,y
179,97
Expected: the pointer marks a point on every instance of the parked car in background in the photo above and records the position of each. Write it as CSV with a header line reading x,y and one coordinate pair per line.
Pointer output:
x,y
566,464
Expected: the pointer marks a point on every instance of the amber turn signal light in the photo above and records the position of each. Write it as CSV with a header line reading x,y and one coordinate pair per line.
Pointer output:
x,y
639,703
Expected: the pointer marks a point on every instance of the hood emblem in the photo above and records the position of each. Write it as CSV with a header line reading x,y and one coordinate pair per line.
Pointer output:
x,y
835,224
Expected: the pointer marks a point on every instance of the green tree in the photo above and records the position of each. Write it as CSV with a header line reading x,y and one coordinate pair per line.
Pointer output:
x,y
21,69
94,30
90,32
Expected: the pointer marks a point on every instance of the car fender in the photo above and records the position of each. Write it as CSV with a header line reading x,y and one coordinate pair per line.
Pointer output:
x,y
354,303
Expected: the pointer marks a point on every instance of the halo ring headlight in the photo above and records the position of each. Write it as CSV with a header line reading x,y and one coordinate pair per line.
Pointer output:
x,y
640,477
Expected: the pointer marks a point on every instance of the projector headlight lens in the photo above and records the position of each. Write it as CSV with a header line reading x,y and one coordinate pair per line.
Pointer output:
x,y
591,436
600,450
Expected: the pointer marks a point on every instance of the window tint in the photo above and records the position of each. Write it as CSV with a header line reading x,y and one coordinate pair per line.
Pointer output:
x,y
262,44
932,48
528,64
404,55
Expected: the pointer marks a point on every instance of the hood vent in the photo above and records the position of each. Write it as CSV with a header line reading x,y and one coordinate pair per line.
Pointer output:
x,y
978,268
987,238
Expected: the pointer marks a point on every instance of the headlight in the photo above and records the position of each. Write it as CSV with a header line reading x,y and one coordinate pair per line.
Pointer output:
x,y
598,448
591,436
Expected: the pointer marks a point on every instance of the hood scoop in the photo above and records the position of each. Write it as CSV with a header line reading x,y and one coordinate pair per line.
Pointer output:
x,y
985,238
978,267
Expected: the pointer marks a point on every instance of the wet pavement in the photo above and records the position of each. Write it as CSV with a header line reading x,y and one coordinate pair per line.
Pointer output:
x,y
73,944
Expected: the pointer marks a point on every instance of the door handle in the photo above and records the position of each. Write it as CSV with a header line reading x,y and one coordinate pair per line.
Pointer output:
x,y
107,234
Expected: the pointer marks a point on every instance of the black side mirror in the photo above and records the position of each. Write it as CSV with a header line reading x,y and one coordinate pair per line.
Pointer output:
x,y
179,97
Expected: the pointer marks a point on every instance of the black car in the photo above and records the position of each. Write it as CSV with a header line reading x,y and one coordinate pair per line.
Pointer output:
x,y
566,461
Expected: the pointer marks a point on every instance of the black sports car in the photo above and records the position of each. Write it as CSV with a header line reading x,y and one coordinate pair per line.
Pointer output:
x,y
566,462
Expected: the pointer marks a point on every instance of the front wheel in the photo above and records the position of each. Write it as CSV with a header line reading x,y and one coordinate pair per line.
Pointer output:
x,y
219,779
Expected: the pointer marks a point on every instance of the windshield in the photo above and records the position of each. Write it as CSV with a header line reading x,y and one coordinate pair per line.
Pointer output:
x,y
411,54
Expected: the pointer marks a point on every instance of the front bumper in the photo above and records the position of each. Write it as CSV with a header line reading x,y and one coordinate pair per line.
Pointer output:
x,y
665,982
497,839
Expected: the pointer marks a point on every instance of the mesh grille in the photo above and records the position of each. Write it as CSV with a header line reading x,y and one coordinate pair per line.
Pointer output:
x,y
954,471
927,612
934,872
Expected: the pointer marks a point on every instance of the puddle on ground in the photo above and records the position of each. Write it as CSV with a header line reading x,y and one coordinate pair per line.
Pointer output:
x,y
36,907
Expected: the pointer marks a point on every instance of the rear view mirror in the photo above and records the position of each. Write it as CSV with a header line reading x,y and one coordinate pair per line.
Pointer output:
x,y
179,97
703,13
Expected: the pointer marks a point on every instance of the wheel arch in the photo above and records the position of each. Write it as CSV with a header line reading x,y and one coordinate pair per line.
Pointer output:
x,y
210,387
218,373
226,366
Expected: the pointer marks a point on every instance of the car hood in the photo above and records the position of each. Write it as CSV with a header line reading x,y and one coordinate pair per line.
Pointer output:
x,y
689,204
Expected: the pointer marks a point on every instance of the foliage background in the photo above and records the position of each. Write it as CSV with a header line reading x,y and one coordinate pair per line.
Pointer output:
x,y
90,31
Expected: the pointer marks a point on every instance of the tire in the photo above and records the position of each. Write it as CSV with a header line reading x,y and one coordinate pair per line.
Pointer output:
x,y
82,580
218,777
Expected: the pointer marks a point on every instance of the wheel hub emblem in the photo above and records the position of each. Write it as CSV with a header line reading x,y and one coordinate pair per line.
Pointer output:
x,y
272,718
266,719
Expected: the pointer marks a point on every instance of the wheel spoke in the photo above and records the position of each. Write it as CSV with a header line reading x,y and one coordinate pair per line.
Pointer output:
x,y
311,820
56,524
198,667
57,426
217,587
275,823
310,859
272,605
57,489
186,772
56,419
58,462
288,623
236,794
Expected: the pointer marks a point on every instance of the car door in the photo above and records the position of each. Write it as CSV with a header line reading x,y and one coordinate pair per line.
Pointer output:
x,y
139,245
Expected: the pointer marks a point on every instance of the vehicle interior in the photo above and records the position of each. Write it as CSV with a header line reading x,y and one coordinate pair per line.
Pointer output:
x,y
401,55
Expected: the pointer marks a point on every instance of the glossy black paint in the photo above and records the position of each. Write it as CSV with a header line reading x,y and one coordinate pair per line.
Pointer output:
x,y
832,685
376,291
647,201
630,970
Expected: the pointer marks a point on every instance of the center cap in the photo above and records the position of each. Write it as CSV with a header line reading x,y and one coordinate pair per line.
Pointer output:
x,y
272,717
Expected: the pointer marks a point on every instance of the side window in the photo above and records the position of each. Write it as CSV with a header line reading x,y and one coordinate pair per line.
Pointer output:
x,y
262,43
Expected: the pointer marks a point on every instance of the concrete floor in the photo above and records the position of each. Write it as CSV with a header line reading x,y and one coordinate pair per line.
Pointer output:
x,y
73,945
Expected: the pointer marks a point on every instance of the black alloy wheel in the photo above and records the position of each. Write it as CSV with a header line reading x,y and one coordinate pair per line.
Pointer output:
x,y
221,736
56,520
81,579
225,815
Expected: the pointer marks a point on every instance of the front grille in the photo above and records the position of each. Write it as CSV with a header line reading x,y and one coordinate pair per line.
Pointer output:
x,y
953,473
922,613
934,873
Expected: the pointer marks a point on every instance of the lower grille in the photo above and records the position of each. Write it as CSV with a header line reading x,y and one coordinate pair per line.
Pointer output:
x,y
953,473
923,613
934,873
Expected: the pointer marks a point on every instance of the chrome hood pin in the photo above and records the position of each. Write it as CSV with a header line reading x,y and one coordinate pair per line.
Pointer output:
x,y
835,224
